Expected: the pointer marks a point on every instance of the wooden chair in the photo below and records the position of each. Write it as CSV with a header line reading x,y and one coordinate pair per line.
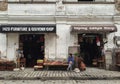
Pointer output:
x,y
23,62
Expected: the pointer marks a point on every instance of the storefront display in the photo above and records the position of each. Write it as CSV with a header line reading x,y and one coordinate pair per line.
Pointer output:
x,y
32,47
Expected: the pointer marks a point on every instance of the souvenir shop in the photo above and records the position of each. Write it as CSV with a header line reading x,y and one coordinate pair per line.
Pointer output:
x,y
92,40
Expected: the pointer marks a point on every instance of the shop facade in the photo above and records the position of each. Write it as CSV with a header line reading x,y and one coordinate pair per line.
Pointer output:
x,y
71,22
74,36
28,40
92,40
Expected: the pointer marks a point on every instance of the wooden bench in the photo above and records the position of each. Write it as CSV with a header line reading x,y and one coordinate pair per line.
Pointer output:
x,y
56,66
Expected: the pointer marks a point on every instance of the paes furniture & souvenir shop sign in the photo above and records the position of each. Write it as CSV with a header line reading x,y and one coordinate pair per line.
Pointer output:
x,y
27,28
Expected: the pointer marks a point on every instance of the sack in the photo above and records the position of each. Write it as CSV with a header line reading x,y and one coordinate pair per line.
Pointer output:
x,y
82,66
76,70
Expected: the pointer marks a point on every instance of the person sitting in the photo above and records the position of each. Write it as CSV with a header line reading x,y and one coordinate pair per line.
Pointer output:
x,y
70,62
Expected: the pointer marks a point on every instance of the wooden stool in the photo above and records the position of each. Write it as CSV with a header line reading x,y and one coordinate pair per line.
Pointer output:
x,y
36,67
23,62
94,62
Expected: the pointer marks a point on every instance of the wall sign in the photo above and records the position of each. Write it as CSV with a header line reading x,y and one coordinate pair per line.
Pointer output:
x,y
24,28
94,28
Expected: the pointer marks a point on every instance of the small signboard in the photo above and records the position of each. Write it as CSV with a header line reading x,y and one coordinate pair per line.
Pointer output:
x,y
93,28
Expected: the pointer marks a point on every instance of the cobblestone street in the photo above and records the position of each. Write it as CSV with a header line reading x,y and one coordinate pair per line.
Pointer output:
x,y
89,74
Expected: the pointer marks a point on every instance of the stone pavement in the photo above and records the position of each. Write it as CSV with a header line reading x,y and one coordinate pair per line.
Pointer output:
x,y
89,74
60,82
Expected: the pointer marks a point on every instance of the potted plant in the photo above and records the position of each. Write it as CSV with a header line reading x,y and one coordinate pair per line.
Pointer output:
x,y
76,59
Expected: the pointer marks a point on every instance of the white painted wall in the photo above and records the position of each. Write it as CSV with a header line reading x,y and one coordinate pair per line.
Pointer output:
x,y
108,59
118,30
90,9
110,36
12,45
71,9
31,9
50,45
110,43
64,40
3,48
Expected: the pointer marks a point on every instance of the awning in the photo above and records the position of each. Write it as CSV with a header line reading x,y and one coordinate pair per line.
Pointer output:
x,y
27,28
93,28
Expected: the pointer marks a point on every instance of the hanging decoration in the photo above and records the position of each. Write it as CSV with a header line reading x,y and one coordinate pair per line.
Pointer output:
x,y
41,39
97,41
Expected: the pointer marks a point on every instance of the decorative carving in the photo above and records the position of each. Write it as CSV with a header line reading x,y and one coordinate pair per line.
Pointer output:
x,y
60,8
3,5
117,4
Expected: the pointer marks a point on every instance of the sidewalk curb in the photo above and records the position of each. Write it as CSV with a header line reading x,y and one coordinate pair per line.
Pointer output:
x,y
60,78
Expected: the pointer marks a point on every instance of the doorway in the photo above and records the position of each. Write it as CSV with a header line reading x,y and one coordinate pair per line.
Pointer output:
x,y
90,47
32,46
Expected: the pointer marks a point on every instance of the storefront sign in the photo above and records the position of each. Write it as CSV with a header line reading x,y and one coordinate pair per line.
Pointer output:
x,y
28,28
94,28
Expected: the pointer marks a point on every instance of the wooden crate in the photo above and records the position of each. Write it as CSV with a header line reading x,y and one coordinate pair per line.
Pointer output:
x,y
10,66
2,67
